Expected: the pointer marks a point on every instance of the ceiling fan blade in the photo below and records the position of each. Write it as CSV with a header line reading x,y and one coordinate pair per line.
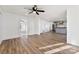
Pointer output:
x,y
37,13
29,9
30,12
40,10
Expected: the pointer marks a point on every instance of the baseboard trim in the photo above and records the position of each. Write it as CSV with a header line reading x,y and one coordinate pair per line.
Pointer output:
x,y
73,45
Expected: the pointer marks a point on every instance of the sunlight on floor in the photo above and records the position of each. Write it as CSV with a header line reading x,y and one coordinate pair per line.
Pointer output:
x,y
58,49
49,46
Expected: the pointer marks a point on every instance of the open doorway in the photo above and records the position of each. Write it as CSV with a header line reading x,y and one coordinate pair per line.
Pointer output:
x,y
23,28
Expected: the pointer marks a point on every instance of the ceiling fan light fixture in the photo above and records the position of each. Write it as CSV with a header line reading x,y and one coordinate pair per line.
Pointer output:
x,y
34,12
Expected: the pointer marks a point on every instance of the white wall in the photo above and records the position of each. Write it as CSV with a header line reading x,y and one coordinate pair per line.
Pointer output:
x,y
10,25
73,25
37,25
33,24
45,26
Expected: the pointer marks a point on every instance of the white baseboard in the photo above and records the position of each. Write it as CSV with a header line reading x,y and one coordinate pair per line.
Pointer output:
x,y
10,37
7,38
73,43
34,33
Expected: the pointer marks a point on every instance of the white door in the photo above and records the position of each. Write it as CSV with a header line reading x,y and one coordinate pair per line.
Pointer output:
x,y
23,27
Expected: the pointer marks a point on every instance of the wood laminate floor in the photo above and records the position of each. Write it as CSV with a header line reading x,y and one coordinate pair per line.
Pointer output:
x,y
45,43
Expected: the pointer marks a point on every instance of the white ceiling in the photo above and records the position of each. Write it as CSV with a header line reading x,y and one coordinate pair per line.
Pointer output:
x,y
51,11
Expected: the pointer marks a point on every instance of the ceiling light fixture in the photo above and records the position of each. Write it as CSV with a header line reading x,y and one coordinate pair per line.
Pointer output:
x,y
34,12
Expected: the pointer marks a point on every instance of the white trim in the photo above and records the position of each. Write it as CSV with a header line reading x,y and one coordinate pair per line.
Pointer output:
x,y
6,38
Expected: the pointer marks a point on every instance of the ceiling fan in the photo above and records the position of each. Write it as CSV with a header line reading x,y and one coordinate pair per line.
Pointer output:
x,y
35,10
